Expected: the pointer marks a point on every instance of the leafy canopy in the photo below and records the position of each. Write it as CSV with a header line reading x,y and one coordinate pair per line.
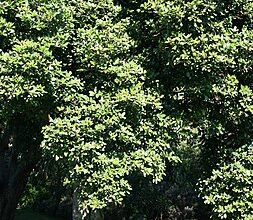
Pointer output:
x,y
68,66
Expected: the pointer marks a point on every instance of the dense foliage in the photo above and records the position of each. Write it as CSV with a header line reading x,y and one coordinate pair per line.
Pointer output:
x,y
229,190
117,96
201,52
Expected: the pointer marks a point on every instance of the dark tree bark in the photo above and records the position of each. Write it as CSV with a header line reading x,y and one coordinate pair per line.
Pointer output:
x,y
19,154
10,194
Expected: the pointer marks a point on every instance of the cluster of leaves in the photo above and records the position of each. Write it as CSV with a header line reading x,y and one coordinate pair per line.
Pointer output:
x,y
229,190
100,145
201,53
68,64
32,80
110,90
116,126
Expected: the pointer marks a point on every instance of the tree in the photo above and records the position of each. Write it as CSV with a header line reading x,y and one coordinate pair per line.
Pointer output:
x,y
200,51
32,82
72,91
229,189
108,90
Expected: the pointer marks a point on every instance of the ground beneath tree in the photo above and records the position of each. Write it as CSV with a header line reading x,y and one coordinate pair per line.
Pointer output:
x,y
31,215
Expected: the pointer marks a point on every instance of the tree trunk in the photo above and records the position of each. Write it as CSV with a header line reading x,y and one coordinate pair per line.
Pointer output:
x,y
77,213
7,208
8,204
10,193
19,154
